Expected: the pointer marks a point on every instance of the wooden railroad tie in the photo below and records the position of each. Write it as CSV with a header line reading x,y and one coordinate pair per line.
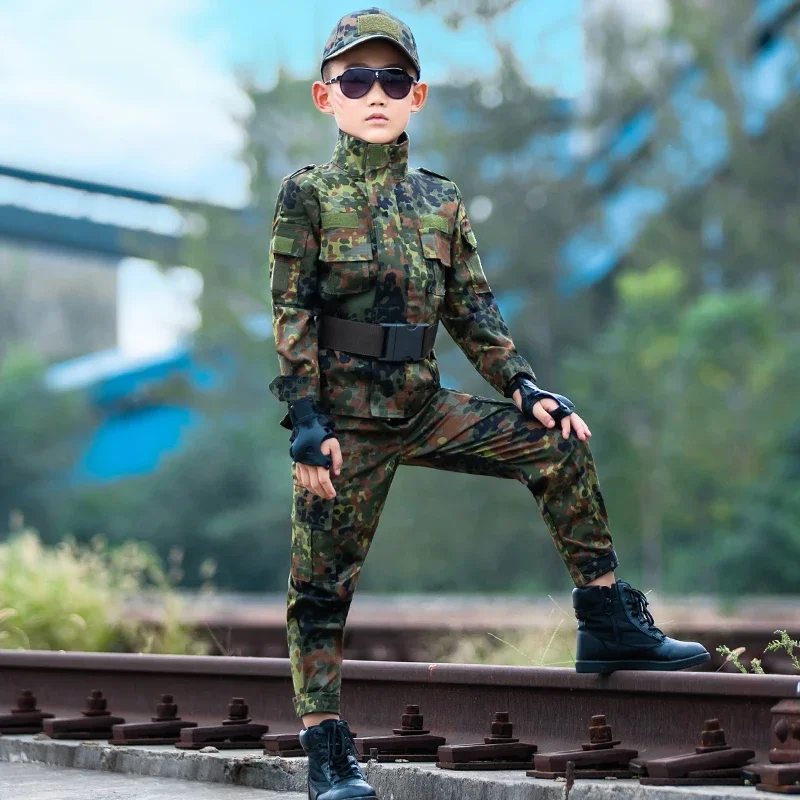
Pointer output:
x,y
713,763
236,732
26,717
410,742
598,758
500,750
95,721
165,727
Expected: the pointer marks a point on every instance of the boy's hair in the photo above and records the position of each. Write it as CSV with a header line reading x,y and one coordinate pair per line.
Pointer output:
x,y
327,70
328,66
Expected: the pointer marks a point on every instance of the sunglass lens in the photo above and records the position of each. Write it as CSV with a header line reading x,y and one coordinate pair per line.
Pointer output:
x,y
356,82
396,84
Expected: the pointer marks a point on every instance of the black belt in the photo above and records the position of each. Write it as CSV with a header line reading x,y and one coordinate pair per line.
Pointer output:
x,y
386,341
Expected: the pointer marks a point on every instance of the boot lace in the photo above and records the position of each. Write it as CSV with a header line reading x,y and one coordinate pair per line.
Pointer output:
x,y
639,602
341,754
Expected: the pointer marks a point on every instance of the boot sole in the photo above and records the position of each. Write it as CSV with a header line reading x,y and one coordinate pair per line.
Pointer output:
x,y
612,666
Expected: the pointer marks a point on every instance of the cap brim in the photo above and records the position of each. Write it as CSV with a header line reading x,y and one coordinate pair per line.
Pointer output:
x,y
366,39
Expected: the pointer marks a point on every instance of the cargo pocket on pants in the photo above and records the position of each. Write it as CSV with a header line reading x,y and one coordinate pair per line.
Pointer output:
x,y
312,537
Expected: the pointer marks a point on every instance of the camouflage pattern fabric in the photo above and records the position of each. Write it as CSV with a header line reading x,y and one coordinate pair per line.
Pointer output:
x,y
452,431
371,23
366,238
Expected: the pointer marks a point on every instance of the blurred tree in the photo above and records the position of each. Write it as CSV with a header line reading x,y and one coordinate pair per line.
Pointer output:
x,y
40,433
226,498
683,361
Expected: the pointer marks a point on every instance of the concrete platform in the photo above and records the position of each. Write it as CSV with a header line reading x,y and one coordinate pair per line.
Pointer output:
x,y
40,782
234,774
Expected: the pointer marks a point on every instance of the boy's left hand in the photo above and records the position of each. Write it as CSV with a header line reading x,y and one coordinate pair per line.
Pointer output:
x,y
540,409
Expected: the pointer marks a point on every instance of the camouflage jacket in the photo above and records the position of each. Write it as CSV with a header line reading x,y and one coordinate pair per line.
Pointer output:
x,y
365,237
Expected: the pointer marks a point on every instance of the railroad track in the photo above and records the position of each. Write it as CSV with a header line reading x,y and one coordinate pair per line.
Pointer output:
x,y
657,713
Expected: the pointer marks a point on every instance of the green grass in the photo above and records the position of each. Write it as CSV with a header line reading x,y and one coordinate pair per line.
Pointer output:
x,y
552,646
70,597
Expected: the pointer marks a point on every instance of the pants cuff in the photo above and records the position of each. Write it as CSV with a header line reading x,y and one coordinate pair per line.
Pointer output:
x,y
595,567
316,703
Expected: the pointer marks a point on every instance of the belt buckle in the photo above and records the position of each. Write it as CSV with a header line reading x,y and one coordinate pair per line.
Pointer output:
x,y
403,341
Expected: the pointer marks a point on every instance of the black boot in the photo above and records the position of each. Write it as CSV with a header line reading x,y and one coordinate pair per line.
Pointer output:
x,y
616,631
333,770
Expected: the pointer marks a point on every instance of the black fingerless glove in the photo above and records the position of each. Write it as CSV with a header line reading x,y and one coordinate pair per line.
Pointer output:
x,y
310,429
530,394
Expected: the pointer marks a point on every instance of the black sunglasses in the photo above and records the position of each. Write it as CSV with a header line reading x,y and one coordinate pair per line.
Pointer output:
x,y
357,81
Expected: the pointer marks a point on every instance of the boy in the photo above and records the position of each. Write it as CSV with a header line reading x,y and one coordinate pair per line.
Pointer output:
x,y
368,255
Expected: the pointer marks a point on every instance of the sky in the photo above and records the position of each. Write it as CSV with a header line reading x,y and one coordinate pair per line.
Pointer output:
x,y
146,94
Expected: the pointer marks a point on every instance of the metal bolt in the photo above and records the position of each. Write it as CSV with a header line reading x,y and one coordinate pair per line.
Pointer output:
x,y
712,737
96,705
599,731
712,734
237,712
412,719
501,725
26,703
166,710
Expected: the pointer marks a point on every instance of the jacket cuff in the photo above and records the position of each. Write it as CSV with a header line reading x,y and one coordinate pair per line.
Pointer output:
x,y
518,369
288,388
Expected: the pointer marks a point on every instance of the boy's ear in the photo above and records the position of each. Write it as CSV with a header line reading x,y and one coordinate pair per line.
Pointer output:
x,y
419,95
321,95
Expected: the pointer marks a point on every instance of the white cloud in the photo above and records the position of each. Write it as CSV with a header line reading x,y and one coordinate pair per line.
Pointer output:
x,y
120,93
155,310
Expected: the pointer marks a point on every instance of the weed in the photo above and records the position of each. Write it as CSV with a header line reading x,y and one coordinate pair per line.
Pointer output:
x,y
784,643
72,597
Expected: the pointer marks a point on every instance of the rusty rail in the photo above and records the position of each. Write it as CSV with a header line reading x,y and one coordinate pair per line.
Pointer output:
x,y
656,712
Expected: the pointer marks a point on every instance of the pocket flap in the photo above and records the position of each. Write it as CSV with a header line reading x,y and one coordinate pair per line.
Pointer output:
x,y
312,509
435,244
345,244
435,221
289,239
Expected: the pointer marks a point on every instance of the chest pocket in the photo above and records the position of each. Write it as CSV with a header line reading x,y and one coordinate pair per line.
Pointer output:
x,y
436,241
348,258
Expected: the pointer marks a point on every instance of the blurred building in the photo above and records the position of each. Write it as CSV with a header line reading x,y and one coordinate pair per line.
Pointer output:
x,y
60,243
60,302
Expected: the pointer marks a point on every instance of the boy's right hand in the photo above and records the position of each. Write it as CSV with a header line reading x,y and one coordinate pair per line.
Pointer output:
x,y
318,479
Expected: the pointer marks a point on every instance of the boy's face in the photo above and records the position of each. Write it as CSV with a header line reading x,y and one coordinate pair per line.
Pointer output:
x,y
375,117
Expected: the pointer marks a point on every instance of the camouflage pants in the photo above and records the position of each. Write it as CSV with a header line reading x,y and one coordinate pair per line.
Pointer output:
x,y
453,431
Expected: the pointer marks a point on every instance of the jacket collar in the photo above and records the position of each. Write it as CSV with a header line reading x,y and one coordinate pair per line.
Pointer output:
x,y
360,158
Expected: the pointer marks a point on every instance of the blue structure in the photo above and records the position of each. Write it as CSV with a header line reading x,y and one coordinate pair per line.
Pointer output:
x,y
634,191
136,430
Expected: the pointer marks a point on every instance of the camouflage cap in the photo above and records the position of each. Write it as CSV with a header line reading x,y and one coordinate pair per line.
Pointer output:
x,y
371,23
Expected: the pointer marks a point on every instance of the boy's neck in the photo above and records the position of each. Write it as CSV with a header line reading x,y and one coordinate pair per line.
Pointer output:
x,y
358,156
